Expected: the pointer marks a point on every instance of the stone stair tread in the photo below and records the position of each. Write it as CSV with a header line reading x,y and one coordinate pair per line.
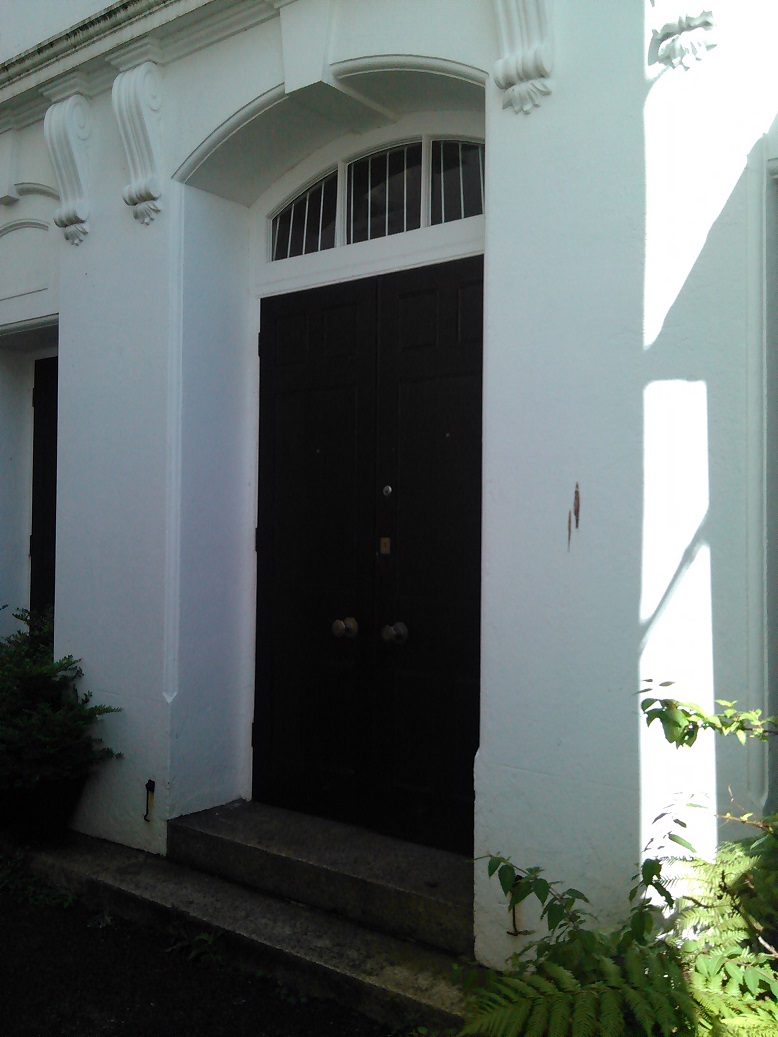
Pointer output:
x,y
342,848
317,952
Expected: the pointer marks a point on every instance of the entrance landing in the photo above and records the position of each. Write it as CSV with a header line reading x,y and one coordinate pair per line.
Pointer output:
x,y
410,891
329,910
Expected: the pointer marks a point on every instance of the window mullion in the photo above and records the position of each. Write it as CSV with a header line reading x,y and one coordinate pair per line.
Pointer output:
x,y
426,180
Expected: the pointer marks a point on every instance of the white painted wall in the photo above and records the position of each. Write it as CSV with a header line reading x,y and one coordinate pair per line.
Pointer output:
x,y
28,253
624,351
582,383
213,706
557,774
118,330
16,382
770,383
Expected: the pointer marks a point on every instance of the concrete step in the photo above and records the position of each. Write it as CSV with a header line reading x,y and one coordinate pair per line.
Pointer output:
x,y
410,891
314,952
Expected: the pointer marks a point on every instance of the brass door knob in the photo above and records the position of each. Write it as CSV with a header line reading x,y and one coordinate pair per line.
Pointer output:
x,y
397,633
347,627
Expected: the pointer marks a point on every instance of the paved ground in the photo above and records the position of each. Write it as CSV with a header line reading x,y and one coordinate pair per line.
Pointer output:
x,y
68,972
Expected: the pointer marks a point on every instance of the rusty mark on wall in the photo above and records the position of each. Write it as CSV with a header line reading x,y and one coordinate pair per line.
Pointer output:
x,y
575,512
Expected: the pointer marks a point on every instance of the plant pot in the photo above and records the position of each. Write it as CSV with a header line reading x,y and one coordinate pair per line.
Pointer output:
x,y
40,815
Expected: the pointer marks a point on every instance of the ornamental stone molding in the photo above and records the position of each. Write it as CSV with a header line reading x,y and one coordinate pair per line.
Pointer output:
x,y
683,41
66,128
9,150
526,59
137,100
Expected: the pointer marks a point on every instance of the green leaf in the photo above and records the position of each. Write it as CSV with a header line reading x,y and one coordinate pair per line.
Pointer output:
x,y
520,892
507,876
540,890
650,870
555,914
753,981
675,838
577,894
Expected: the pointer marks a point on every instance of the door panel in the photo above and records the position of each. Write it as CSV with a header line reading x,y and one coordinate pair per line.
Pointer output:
x,y
44,486
370,474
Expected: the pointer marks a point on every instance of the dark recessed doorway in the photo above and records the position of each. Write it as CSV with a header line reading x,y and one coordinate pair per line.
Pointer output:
x,y
369,552
44,486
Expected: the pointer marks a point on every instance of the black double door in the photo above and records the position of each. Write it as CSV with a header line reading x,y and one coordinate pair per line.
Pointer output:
x,y
369,552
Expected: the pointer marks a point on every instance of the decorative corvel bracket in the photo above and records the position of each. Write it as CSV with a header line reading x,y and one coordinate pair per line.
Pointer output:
x,y
683,41
526,52
137,99
66,128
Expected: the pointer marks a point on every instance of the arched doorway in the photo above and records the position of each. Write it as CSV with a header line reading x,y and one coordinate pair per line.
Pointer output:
x,y
376,728
369,508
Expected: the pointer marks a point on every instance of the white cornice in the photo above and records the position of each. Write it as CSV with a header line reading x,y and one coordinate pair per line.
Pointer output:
x,y
526,55
116,39
80,37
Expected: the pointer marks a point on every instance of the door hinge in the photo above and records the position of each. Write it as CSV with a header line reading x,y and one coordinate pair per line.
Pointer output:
x,y
259,344
256,539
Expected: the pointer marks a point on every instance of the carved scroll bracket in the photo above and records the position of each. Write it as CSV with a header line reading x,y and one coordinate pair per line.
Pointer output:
x,y
137,101
683,41
66,128
526,61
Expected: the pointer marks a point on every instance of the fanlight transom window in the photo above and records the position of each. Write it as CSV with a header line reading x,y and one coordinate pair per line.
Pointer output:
x,y
402,188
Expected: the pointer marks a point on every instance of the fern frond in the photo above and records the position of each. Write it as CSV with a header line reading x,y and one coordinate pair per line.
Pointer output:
x,y
560,1013
539,984
635,967
503,1020
611,1013
585,1012
536,1025
563,978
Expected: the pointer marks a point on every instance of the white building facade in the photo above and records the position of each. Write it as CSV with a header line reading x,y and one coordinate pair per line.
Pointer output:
x,y
170,172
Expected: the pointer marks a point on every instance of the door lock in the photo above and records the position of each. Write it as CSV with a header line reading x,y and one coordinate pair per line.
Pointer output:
x,y
347,627
397,633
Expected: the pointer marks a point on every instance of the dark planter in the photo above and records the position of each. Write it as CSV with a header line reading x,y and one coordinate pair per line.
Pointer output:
x,y
41,815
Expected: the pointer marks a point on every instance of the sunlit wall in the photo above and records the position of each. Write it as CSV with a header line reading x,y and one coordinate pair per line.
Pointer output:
x,y
703,578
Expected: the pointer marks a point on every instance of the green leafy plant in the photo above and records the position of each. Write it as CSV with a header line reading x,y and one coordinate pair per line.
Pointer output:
x,y
683,721
46,725
580,981
708,966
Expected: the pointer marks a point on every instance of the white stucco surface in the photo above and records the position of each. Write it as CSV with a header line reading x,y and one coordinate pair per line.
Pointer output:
x,y
213,704
628,237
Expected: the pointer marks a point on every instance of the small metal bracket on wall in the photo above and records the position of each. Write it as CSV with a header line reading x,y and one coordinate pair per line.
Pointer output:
x,y
150,787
